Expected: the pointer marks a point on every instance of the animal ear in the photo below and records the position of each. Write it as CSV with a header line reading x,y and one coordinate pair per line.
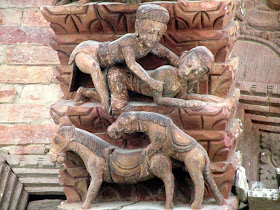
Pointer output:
x,y
71,132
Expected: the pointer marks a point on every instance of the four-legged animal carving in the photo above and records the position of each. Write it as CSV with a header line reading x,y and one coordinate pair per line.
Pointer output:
x,y
108,163
170,141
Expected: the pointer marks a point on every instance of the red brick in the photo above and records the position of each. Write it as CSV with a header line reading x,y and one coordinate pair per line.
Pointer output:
x,y
26,134
34,17
23,113
26,74
4,3
7,93
6,20
32,55
40,94
28,150
27,3
25,35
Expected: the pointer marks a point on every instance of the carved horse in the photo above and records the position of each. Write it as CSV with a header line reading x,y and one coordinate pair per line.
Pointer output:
x,y
170,141
108,163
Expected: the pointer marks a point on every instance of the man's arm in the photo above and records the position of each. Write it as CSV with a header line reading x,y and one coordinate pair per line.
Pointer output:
x,y
129,56
164,52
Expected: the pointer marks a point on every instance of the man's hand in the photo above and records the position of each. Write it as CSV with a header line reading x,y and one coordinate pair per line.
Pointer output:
x,y
156,85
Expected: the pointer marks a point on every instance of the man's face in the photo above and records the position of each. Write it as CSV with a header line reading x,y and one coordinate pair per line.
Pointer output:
x,y
192,68
150,31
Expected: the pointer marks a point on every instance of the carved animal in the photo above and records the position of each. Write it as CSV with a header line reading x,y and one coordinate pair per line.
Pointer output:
x,y
108,163
170,141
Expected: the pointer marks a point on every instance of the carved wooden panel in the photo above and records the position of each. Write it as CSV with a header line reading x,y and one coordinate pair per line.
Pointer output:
x,y
115,18
75,180
269,159
198,23
207,23
211,125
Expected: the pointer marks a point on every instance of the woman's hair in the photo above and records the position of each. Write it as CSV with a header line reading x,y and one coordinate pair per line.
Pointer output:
x,y
204,54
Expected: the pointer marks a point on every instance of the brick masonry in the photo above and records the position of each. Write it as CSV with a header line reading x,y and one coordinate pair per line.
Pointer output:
x,y
27,84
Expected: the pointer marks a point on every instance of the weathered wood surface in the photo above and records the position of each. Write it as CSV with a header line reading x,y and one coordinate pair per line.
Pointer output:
x,y
12,194
37,174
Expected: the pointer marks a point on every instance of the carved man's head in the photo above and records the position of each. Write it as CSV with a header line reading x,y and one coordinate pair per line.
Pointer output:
x,y
195,63
151,23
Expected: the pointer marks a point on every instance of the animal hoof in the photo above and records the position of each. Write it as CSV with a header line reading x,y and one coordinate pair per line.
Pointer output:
x,y
85,206
195,206
169,207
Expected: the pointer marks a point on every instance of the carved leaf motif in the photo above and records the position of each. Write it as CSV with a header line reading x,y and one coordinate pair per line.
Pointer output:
x,y
72,28
101,26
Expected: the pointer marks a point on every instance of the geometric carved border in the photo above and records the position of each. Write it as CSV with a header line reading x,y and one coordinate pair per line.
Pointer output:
x,y
259,104
12,194
38,175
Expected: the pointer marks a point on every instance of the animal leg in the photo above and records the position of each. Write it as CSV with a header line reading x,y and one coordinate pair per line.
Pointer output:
x,y
215,190
161,167
195,168
146,155
95,168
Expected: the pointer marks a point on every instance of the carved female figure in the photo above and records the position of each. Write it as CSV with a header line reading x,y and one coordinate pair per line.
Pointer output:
x,y
177,82
91,57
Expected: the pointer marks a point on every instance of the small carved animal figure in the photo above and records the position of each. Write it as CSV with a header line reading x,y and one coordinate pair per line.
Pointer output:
x,y
105,162
170,141
92,57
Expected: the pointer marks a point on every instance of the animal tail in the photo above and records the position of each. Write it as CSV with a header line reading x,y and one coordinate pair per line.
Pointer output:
x,y
215,190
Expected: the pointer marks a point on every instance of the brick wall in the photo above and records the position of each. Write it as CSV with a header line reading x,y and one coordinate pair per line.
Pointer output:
x,y
27,84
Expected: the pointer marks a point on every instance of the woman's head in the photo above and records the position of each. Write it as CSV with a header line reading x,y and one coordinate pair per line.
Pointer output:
x,y
195,63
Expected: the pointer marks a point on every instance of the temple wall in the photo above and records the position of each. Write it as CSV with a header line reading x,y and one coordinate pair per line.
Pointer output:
x,y
258,47
27,84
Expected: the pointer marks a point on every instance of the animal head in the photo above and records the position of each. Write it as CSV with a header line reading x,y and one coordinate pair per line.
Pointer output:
x,y
196,63
60,142
125,123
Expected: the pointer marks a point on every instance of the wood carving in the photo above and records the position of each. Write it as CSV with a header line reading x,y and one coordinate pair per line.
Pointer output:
x,y
209,119
178,83
108,163
82,2
191,24
92,57
269,159
168,140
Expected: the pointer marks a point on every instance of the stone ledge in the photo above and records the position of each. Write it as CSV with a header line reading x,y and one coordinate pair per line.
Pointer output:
x,y
232,204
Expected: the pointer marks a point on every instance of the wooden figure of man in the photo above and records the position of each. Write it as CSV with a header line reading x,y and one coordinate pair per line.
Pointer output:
x,y
177,82
91,57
